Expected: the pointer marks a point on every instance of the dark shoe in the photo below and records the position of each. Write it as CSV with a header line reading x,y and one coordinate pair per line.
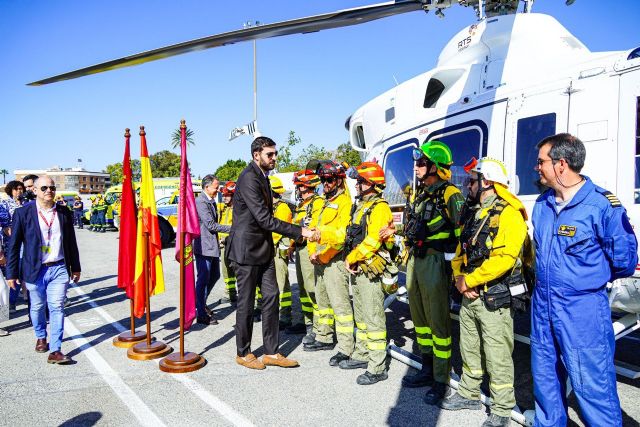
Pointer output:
x,y
436,393
424,377
59,359
318,346
208,311
206,320
456,402
368,378
12,308
496,421
353,364
337,358
297,329
41,345
284,324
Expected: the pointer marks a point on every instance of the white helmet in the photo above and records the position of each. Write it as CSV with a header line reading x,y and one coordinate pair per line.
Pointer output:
x,y
492,170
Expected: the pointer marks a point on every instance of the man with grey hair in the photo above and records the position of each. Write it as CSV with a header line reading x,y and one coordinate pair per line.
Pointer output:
x,y
583,240
206,248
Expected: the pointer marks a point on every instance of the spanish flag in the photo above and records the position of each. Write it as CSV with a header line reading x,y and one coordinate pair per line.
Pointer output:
x,y
127,242
147,223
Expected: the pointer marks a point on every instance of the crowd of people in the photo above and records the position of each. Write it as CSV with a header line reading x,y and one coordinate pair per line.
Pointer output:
x,y
347,257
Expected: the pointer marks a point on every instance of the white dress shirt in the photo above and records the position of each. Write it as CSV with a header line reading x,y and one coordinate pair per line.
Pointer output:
x,y
51,249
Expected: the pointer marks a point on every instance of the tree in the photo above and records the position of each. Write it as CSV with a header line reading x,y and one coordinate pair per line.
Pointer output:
x,y
230,171
165,164
115,171
286,162
175,138
4,173
346,153
313,153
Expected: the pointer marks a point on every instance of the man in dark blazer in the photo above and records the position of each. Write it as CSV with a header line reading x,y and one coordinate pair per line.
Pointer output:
x,y
207,247
251,252
50,257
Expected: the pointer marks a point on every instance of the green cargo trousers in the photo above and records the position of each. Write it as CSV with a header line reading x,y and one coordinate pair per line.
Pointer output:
x,y
491,333
428,289
368,310
229,277
305,275
282,276
334,305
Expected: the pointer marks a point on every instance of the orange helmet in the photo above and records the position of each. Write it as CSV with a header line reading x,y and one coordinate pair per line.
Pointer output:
x,y
372,173
307,178
229,188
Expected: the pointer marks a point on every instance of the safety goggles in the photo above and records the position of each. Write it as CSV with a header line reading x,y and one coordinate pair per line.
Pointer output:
x,y
50,187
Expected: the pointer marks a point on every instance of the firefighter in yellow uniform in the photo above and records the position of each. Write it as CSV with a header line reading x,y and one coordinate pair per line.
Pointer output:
x,y
332,282
226,218
282,211
488,268
101,214
308,209
369,261
431,233
92,214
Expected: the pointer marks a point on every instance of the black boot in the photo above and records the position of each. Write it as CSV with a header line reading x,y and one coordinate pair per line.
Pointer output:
x,y
436,393
424,377
368,378
456,402
337,358
496,421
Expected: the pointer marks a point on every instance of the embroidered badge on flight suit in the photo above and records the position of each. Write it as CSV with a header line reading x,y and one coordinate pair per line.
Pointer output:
x,y
567,230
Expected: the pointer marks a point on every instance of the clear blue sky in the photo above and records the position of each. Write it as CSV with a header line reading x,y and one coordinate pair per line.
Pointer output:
x,y
307,83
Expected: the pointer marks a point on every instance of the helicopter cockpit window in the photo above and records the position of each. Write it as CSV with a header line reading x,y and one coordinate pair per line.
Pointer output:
x,y
398,171
434,91
531,130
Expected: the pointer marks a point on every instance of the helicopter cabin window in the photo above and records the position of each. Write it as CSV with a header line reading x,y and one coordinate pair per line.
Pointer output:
x,y
389,114
398,171
637,187
434,91
531,130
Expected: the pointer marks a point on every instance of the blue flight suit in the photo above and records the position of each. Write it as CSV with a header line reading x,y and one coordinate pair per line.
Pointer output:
x,y
589,243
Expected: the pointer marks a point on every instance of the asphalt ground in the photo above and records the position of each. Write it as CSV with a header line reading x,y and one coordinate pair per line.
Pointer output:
x,y
106,388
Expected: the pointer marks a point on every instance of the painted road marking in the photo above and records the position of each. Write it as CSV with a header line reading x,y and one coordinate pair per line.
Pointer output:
x,y
190,384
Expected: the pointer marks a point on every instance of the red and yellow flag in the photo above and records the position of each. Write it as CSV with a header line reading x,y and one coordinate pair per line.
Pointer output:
x,y
127,239
147,223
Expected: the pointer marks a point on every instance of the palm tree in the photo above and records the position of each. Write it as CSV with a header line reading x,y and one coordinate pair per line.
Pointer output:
x,y
175,138
4,173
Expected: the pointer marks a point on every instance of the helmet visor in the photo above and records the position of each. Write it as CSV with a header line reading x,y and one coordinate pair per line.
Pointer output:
x,y
417,154
352,173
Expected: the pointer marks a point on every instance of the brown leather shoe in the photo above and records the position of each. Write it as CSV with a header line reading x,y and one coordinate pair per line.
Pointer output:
x,y
280,361
250,361
41,345
58,358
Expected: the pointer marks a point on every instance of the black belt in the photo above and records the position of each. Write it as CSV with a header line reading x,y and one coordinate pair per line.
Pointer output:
x,y
51,264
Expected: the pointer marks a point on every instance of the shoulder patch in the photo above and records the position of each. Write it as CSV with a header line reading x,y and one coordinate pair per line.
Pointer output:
x,y
613,200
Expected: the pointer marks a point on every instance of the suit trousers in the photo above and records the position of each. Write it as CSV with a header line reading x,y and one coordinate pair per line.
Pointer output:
x,y
248,278
208,269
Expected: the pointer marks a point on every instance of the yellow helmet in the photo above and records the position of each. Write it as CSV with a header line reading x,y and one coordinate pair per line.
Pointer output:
x,y
276,184
92,198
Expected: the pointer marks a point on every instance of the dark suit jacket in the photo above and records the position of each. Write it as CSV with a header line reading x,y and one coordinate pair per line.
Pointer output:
x,y
25,230
250,240
207,244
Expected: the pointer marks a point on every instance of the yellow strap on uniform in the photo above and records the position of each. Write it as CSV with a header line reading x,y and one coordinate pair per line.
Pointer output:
x,y
422,329
325,311
472,371
442,341
345,318
376,345
362,336
442,354
361,326
377,335
344,329
326,321
425,341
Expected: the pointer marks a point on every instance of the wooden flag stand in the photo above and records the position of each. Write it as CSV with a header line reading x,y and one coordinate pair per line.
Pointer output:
x,y
132,337
147,350
182,362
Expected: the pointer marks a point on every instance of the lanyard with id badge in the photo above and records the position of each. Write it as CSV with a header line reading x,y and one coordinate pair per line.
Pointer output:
x,y
46,248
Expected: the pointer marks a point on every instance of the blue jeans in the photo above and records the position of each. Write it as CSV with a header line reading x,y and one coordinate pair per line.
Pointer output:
x,y
77,218
208,273
50,288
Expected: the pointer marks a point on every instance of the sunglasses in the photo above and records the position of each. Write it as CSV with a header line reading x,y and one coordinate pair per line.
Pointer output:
x,y
328,180
422,162
50,187
272,154
361,181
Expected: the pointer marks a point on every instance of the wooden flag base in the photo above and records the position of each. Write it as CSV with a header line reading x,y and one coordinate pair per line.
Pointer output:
x,y
142,351
175,364
126,339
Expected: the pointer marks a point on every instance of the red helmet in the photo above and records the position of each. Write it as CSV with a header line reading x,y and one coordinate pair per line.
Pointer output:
x,y
229,188
329,168
372,173
307,178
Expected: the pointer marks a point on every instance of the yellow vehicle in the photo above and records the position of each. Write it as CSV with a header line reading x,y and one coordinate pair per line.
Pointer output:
x,y
169,210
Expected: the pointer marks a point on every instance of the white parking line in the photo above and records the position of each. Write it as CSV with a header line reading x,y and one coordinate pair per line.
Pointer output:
x,y
145,416
190,384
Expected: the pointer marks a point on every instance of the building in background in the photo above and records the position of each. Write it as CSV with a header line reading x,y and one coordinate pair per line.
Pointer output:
x,y
72,179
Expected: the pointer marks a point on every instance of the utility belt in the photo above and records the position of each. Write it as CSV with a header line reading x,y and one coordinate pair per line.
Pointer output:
x,y
508,292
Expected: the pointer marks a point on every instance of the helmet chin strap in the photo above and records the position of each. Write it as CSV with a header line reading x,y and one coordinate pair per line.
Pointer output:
x,y
476,200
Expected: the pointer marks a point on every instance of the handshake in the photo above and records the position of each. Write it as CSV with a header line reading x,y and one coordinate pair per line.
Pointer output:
x,y
311,234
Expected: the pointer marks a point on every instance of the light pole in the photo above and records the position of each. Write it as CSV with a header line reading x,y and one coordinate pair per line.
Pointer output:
x,y
246,25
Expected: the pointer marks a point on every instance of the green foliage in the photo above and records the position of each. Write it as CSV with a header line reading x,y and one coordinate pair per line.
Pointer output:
x,y
313,153
286,162
165,164
230,171
115,171
175,138
346,153
4,173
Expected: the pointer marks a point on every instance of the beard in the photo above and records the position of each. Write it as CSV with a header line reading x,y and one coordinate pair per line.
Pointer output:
x,y
267,165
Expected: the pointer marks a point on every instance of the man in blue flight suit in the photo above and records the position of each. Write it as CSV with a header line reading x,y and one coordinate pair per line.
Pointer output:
x,y
583,240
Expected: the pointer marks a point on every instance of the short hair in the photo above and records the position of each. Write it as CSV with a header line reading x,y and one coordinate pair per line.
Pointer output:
x,y
30,176
12,185
568,147
260,142
208,180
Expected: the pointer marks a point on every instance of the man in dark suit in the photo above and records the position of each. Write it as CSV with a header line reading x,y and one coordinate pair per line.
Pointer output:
x,y
207,247
251,252
49,258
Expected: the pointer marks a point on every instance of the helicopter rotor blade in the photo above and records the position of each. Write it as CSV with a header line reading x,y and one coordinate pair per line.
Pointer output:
x,y
342,18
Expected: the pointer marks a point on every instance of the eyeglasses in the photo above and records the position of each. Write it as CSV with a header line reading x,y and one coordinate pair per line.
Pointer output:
x,y
272,154
361,181
540,162
50,187
328,180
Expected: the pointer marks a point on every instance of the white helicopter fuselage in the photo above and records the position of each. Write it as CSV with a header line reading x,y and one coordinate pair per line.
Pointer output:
x,y
499,87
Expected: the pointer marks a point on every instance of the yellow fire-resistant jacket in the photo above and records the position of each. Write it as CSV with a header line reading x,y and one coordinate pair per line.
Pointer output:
x,y
379,218
282,212
506,247
301,211
226,218
335,214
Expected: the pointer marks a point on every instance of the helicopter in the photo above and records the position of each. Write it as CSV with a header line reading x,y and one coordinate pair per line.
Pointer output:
x,y
500,86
